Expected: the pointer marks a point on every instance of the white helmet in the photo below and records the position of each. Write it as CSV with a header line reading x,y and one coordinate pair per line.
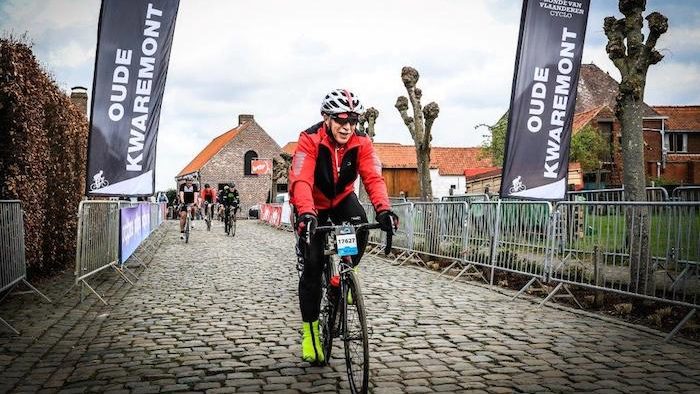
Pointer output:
x,y
341,100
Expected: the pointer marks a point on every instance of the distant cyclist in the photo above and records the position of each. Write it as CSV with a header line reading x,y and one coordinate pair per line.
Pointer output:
x,y
230,199
189,198
208,197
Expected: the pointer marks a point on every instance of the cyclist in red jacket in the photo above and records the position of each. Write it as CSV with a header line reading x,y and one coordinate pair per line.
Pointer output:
x,y
328,158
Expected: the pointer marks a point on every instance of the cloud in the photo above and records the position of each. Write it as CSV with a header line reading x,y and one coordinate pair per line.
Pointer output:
x,y
276,59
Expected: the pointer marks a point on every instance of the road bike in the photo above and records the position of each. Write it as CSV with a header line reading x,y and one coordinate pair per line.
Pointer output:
x,y
208,214
187,223
230,220
342,306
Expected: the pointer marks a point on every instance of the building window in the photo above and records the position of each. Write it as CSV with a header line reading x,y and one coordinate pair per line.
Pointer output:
x,y
676,142
247,159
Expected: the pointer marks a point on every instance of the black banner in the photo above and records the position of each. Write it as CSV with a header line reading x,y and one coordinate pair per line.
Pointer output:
x,y
543,99
133,50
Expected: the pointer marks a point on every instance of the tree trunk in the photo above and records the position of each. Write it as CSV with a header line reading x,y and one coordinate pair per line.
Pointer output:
x,y
426,187
632,56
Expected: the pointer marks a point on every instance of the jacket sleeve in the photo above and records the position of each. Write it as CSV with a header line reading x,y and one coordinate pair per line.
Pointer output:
x,y
301,176
370,169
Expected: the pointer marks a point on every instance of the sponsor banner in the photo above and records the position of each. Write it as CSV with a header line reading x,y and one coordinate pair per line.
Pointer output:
x,y
261,166
129,232
145,211
275,215
265,211
131,65
543,99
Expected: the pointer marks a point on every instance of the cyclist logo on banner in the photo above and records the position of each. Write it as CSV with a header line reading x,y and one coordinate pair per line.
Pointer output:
x,y
99,181
517,186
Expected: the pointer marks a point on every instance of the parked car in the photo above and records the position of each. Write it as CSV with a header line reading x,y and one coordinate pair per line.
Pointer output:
x,y
254,211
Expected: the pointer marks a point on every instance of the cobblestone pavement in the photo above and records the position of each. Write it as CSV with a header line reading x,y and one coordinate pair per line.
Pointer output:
x,y
220,315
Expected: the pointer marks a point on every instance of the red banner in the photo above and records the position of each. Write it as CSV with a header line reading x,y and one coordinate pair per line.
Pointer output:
x,y
261,166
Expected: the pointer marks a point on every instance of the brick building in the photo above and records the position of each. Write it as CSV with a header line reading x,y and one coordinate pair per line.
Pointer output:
x,y
227,158
671,134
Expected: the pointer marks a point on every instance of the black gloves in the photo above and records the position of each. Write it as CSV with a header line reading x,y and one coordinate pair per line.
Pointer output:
x,y
388,221
306,224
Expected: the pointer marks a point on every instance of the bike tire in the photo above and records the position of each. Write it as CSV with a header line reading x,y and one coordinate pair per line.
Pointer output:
x,y
355,337
233,226
329,313
187,230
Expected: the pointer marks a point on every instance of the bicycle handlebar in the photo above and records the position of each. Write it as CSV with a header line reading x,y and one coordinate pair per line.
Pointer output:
x,y
365,226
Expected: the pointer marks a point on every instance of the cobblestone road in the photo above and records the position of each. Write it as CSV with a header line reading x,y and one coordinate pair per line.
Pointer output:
x,y
220,315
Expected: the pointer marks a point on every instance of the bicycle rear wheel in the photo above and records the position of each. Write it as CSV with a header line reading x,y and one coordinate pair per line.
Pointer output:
x,y
355,336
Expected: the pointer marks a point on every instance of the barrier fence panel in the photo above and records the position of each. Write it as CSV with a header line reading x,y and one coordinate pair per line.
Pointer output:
x,y
657,193
686,193
608,250
13,266
649,250
522,237
98,240
439,229
98,236
597,195
480,232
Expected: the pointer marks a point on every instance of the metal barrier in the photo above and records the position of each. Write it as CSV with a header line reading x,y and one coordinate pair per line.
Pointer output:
x,y
649,250
98,245
597,195
657,193
469,197
439,229
13,267
522,238
686,193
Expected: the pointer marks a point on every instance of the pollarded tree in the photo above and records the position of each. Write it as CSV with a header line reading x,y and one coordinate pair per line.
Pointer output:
x,y
419,125
366,125
367,121
632,56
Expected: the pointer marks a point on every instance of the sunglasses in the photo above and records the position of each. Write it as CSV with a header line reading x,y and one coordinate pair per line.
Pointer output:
x,y
353,120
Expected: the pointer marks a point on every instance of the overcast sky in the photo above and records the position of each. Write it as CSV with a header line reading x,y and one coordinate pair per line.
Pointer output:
x,y
277,59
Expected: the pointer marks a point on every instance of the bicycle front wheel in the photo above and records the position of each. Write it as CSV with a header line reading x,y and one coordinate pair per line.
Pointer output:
x,y
233,226
187,230
355,336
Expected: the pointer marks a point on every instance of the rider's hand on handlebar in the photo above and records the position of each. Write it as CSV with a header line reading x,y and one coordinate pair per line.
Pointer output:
x,y
388,221
306,225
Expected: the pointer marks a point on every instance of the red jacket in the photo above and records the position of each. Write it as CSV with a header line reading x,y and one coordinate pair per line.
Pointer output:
x,y
323,173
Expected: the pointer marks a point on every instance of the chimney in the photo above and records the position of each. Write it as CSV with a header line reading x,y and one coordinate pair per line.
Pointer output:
x,y
78,95
242,118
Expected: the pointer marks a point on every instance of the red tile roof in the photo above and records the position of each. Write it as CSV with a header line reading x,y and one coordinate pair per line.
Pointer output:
x,y
583,118
212,149
686,118
448,161
479,172
290,147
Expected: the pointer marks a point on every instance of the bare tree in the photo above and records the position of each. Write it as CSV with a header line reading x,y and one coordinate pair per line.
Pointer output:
x,y
367,122
366,125
419,125
280,167
632,56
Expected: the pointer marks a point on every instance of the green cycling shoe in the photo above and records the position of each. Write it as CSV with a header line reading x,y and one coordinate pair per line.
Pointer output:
x,y
311,348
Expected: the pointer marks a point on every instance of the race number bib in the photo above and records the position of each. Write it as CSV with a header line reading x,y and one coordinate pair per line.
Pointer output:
x,y
347,244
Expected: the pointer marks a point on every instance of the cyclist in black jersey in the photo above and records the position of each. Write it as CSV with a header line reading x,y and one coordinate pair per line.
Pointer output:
x,y
189,198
